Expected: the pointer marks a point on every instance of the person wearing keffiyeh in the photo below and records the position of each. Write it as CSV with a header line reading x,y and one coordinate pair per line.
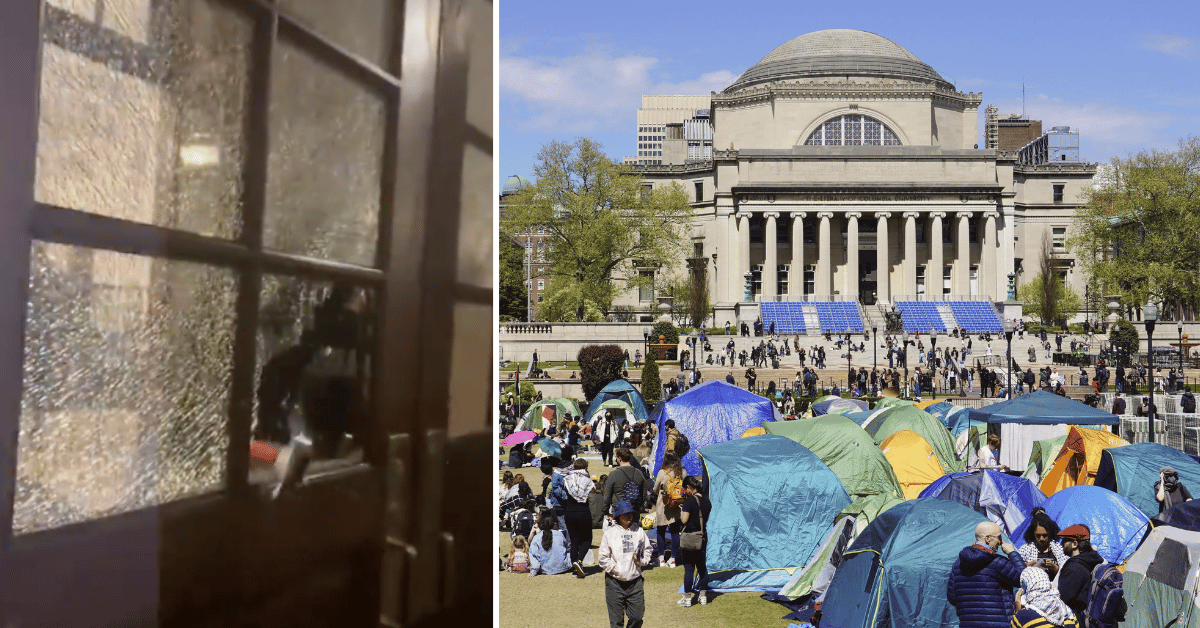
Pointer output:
x,y
1038,603
578,516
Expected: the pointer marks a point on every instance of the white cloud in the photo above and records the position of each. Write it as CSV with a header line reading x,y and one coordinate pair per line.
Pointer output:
x,y
1098,120
589,92
1174,45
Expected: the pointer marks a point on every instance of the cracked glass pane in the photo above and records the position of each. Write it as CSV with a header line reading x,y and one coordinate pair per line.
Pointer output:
x,y
126,384
147,132
325,167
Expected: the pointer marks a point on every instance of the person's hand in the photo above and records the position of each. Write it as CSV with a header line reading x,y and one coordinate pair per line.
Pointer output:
x,y
1007,547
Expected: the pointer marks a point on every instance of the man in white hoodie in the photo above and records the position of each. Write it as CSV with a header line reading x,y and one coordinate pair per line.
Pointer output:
x,y
624,548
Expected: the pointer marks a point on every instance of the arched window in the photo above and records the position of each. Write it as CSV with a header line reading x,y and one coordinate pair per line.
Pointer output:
x,y
853,130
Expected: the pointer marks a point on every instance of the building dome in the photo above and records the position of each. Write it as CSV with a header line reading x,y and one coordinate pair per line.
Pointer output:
x,y
515,184
838,52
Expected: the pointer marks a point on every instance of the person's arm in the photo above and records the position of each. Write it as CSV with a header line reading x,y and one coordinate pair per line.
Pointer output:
x,y
605,556
951,594
1012,566
535,554
1072,587
1160,492
685,510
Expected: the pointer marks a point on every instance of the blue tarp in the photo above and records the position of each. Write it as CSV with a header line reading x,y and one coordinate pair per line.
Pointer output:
x,y
1042,408
1117,527
895,572
827,406
1132,470
773,502
956,418
623,390
1002,498
710,413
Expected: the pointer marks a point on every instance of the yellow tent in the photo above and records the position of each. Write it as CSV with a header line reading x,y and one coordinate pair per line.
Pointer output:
x,y
928,402
913,460
1079,459
754,431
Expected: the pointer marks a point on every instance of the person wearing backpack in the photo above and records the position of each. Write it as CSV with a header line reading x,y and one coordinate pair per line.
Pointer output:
x,y
694,514
668,487
1106,604
676,441
626,482
1075,576
1188,401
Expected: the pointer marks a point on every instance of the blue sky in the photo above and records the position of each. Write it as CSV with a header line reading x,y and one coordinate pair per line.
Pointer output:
x,y
1126,74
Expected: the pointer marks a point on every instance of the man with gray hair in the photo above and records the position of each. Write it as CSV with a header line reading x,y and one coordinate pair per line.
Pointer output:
x,y
982,580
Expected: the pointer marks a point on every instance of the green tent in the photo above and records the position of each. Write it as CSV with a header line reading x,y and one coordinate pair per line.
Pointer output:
x,y
848,451
623,412
562,406
866,509
917,420
888,402
1162,579
1041,459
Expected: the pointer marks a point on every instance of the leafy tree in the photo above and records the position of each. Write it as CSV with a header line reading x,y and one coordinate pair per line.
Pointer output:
x,y
513,293
528,392
651,382
669,332
599,365
562,299
1135,233
1125,340
603,225
698,303
1047,297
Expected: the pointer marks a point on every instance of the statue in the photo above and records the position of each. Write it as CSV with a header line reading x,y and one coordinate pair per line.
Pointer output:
x,y
893,322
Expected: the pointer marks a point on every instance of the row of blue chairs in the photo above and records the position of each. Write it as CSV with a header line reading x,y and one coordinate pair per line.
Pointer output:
x,y
976,316
788,317
922,316
839,316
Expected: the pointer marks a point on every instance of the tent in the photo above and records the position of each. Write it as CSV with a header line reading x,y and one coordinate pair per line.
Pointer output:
x,y
899,418
773,501
1116,525
866,509
1132,471
754,431
863,417
847,449
710,413
817,574
1042,458
1185,515
623,390
1042,408
888,402
1002,498
622,412
534,418
1162,580
913,461
895,572
955,418
1079,459
832,405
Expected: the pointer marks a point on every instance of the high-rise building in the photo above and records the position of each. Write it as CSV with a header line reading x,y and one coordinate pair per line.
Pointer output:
x,y
664,120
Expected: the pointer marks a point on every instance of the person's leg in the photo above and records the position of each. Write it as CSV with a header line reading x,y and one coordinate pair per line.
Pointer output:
x,y
660,550
688,582
635,603
614,598
702,582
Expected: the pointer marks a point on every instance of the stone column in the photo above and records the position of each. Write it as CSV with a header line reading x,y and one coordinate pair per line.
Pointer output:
x,y
962,265
727,259
743,250
882,258
852,253
796,278
824,267
989,259
910,252
933,273
771,259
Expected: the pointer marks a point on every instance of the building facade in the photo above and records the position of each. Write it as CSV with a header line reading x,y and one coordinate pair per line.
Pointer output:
x,y
845,168
535,241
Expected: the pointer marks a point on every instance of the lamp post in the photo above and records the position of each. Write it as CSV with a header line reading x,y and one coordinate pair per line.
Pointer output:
x,y
933,365
1150,315
904,356
645,343
695,355
1008,334
874,351
849,384
1179,328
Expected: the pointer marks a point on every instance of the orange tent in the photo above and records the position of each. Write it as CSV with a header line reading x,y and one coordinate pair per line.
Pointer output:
x,y
913,460
1079,458
754,431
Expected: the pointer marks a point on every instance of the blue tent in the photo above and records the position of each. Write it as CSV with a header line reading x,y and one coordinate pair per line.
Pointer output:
x,y
826,406
1117,527
773,502
1042,408
1131,472
1002,498
1185,515
895,572
623,390
863,416
710,413
957,419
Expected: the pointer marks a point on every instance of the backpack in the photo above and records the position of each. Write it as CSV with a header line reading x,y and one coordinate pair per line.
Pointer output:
x,y
682,446
1106,600
522,523
674,493
632,494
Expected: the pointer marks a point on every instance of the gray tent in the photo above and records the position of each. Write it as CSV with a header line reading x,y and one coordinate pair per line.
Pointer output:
x,y
1162,586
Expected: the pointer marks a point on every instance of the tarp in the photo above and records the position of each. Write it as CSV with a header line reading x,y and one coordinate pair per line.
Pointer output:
x,y
955,418
1004,499
895,572
533,419
895,419
1042,407
623,390
847,449
1116,525
710,413
837,405
1042,457
1185,515
773,501
1079,459
913,461
1161,581
1132,471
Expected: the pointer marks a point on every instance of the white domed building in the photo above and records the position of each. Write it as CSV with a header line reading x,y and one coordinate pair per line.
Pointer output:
x,y
852,168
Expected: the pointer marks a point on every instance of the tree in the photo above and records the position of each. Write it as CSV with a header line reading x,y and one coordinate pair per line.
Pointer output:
x,y
669,332
528,392
651,382
603,224
1047,297
599,365
513,292
697,297
1125,341
1135,233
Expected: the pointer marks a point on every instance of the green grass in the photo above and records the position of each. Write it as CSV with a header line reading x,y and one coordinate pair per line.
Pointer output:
x,y
570,366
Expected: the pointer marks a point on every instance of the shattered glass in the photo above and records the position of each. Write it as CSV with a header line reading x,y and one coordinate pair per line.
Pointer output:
x,y
126,384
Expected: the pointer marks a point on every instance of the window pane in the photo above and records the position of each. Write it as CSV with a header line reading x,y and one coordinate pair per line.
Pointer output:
x,y
479,78
126,384
364,27
151,134
853,130
470,364
475,240
324,179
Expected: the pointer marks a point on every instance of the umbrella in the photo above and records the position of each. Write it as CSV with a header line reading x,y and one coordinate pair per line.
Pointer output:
x,y
550,448
520,437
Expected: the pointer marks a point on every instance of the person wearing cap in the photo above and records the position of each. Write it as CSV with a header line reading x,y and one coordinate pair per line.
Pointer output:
x,y
1075,577
624,549
982,580
1168,490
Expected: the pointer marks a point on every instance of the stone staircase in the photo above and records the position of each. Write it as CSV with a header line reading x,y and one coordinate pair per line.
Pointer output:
x,y
947,315
812,323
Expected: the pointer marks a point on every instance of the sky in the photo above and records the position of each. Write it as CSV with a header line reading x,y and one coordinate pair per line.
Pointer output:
x,y
1126,75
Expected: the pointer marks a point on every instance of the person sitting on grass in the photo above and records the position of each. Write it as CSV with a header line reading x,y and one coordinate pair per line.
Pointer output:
x,y
550,552
624,549
518,556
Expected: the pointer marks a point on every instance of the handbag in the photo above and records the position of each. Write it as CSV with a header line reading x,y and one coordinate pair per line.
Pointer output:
x,y
693,541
